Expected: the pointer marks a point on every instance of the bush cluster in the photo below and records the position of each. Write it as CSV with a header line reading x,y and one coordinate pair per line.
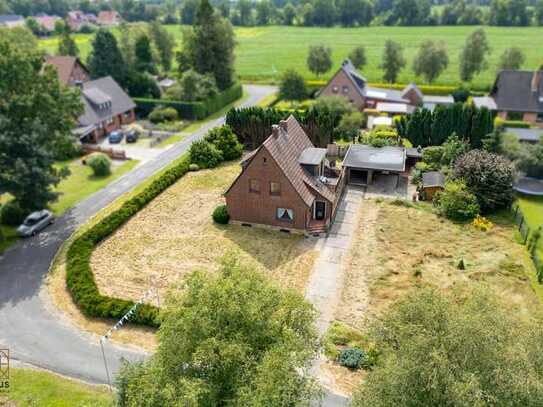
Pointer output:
x,y
226,142
353,358
499,122
79,277
162,114
220,215
12,214
456,202
100,164
204,154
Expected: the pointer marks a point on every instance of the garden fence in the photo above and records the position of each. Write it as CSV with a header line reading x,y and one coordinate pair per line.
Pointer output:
x,y
531,239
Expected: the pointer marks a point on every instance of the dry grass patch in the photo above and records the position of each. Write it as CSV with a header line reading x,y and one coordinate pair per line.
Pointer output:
x,y
175,235
399,248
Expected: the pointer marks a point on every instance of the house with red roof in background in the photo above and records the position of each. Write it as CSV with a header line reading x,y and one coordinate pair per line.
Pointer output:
x,y
109,18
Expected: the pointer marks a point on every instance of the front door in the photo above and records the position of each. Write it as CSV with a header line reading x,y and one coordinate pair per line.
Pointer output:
x,y
320,210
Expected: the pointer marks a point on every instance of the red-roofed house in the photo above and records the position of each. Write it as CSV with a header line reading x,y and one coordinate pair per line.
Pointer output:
x,y
286,183
70,69
47,22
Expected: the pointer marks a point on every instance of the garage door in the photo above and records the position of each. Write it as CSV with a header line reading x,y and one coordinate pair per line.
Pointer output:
x,y
359,177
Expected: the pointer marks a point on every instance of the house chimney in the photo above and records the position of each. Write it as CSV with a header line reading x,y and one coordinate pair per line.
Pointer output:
x,y
283,125
535,81
275,130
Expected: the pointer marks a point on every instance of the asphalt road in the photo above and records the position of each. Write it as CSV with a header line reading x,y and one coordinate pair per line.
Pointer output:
x,y
31,331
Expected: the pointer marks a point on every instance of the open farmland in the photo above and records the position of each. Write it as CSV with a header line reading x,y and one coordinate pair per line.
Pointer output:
x,y
175,235
264,52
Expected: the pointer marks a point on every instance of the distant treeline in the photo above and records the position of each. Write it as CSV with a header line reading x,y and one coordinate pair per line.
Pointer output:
x,y
325,13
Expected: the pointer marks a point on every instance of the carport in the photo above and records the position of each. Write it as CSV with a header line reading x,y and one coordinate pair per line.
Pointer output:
x,y
364,163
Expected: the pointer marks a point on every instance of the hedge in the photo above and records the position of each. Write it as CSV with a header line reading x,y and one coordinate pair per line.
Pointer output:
x,y
79,277
191,110
436,90
499,122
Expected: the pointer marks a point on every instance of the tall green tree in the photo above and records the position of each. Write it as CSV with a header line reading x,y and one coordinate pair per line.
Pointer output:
x,y
264,11
210,45
393,61
324,13
37,116
431,60
106,58
463,348
292,86
67,45
319,59
358,57
473,58
512,59
164,42
144,55
231,339
289,14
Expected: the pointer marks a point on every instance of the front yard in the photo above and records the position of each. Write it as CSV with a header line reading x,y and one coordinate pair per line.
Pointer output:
x,y
175,235
80,184
398,248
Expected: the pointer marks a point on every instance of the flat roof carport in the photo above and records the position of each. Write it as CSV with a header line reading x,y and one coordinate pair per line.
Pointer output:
x,y
361,157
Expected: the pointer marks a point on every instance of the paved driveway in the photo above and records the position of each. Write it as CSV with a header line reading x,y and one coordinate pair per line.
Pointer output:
x,y
326,281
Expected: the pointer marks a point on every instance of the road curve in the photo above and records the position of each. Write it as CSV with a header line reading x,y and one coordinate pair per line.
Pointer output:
x,y
31,332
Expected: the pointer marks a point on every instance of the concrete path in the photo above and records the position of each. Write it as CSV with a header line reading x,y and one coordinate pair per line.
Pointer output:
x,y
326,282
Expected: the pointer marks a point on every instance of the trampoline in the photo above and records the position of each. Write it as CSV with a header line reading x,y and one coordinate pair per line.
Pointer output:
x,y
529,186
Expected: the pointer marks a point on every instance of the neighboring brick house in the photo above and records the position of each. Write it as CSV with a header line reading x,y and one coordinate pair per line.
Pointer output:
x,y
519,95
70,69
286,183
109,18
47,22
347,82
107,108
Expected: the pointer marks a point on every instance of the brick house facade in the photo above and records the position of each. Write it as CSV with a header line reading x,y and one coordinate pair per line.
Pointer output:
x,y
286,184
70,69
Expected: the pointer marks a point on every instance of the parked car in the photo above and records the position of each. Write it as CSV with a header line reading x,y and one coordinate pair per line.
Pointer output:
x,y
115,137
35,222
131,136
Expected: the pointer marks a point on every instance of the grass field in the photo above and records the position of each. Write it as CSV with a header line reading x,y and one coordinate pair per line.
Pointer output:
x,y
532,209
29,388
175,235
264,52
397,249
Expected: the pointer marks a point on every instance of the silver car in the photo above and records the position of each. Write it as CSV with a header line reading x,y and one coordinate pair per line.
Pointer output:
x,y
35,222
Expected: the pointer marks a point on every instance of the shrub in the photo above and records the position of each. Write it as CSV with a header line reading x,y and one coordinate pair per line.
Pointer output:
x,y
12,214
220,215
79,277
433,156
292,86
350,125
488,176
482,223
461,95
499,122
163,114
100,164
456,202
352,358
226,141
194,167
205,154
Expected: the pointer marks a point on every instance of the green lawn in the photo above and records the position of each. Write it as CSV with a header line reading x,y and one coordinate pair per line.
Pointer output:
x,y
532,209
29,388
82,183
73,189
264,52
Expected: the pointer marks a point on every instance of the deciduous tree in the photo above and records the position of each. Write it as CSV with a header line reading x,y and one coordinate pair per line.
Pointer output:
x,y
431,60
37,116
393,61
319,59
512,58
358,57
67,45
292,86
474,54
231,338
164,43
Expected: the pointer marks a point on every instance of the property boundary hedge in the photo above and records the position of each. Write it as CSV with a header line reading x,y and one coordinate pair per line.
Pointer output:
x,y
435,90
192,110
79,276
499,122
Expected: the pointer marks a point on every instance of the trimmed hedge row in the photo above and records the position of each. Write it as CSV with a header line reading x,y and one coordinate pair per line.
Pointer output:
x,y
79,277
435,90
499,122
191,110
